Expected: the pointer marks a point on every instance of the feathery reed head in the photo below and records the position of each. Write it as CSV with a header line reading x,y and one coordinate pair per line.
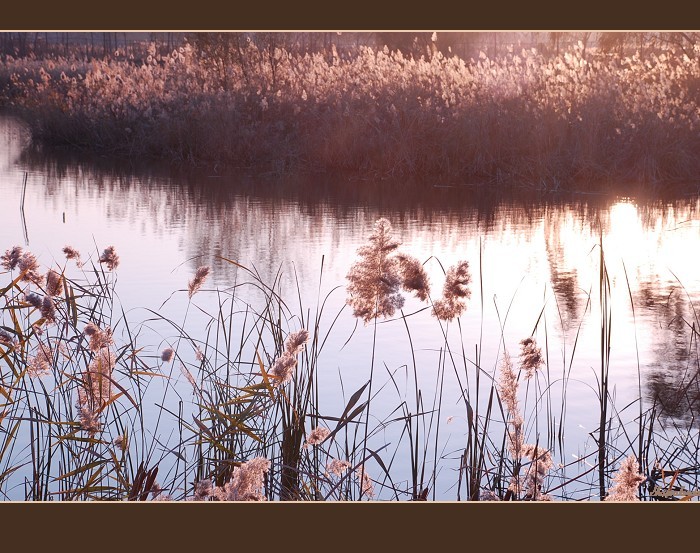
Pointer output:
x,y
98,338
6,339
337,467
626,481
72,253
282,369
48,309
374,280
247,482
530,357
316,436
366,485
414,277
110,258
42,362
54,283
508,392
454,293
10,259
29,265
197,281
296,341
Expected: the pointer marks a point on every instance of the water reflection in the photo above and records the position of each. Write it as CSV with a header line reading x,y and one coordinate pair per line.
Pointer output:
x,y
290,223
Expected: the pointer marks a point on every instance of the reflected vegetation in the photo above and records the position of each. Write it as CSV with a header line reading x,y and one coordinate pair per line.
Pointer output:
x,y
270,220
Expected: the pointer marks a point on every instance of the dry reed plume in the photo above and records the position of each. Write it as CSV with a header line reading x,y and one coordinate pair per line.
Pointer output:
x,y
282,369
626,481
198,280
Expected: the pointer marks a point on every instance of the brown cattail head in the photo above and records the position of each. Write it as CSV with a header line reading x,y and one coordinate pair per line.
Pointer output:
x,y
626,481
200,276
110,258
167,355
374,280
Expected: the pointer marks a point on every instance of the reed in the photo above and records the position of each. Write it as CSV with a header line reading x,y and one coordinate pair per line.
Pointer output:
x,y
231,409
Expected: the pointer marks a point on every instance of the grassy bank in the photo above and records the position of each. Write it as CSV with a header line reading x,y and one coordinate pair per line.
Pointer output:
x,y
95,405
579,120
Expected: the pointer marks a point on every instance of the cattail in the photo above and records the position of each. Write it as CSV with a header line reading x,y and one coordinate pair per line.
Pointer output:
x,y
11,258
337,467
199,277
627,482
414,277
316,436
531,357
247,482
454,292
110,258
375,279
54,283
167,355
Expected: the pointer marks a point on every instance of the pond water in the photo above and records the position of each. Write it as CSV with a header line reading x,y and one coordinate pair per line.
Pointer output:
x,y
534,261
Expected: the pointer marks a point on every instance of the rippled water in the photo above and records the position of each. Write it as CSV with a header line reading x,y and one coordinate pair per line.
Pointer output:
x,y
535,266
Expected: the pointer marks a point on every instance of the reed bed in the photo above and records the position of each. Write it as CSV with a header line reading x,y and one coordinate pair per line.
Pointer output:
x,y
583,119
94,407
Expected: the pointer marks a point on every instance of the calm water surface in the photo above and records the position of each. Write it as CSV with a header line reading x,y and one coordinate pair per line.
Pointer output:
x,y
534,262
